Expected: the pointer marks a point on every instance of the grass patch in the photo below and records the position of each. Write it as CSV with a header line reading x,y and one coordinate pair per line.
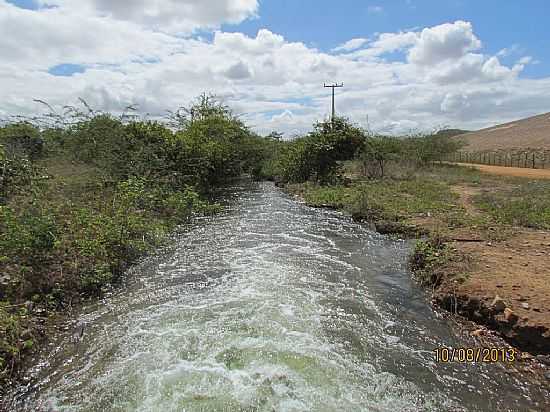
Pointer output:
x,y
526,205
387,199
433,261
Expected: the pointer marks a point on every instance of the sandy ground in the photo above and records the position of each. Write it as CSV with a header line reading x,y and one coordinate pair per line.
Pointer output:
x,y
515,270
511,171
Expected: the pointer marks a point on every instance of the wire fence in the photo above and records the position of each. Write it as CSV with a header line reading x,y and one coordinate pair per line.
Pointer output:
x,y
535,159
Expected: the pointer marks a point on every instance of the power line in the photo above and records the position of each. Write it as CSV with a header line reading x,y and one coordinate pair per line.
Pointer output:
x,y
333,86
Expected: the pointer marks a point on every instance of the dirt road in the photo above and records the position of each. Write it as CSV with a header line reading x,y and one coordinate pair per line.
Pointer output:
x,y
511,171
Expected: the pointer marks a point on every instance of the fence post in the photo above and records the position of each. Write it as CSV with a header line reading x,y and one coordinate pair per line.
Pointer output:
x,y
534,161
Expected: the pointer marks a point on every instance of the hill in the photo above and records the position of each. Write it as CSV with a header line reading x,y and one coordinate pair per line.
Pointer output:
x,y
530,133
451,132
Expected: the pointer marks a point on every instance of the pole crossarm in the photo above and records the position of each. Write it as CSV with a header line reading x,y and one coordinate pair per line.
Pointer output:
x,y
333,87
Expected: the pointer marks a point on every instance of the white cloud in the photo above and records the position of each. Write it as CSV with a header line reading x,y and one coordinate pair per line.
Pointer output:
x,y
444,42
375,9
350,45
181,16
443,77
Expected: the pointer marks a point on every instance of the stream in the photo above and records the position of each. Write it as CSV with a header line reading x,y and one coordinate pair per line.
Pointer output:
x,y
269,306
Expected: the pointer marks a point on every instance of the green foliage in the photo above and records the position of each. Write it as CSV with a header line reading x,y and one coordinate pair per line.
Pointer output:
x,y
109,191
22,139
102,142
376,152
317,155
327,196
424,149
428,258
384,200
16,174
27,237
526,205
11,329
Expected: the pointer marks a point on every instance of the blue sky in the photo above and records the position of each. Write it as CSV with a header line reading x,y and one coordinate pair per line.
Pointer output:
x,y
325,24
407,64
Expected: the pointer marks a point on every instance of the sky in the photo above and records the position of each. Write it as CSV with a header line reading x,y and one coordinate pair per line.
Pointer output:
x,y
406,65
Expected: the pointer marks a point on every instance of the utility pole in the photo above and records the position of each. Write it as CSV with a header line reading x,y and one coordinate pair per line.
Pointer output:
x,y
333,86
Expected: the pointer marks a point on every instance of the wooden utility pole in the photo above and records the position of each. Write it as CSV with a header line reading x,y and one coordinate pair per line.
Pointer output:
x,y
333,86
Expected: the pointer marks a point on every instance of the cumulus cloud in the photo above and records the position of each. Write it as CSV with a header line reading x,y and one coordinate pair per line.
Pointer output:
x,y
238,71
168,15
442,77
444,42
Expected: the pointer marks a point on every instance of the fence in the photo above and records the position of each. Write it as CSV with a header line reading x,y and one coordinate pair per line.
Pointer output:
x,y
539,159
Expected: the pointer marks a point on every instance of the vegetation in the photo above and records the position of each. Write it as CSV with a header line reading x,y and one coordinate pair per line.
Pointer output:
x,y
315,156
318,157
83,197
84,194
525,205
429,259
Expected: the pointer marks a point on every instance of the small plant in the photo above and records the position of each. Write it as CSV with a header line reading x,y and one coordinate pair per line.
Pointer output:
x,y
428,260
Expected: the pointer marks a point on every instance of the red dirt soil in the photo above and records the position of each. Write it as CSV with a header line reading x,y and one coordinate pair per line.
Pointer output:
x,y
510,171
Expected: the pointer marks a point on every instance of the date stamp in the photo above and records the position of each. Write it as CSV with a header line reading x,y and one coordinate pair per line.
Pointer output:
x,y
478,355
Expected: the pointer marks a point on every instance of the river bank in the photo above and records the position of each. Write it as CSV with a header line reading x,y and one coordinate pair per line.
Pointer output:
x,y
487,256
85,197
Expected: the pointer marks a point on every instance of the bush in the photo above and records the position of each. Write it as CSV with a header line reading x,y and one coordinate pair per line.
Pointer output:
x,y
29,237
376,152
428,259
317,155
16,174
22,140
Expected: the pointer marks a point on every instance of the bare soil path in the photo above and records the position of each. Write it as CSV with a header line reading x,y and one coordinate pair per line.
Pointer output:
x,y
510,171
515,270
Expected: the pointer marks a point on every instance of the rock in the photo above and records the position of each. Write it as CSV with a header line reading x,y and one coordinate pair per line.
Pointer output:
x,y
544,359
525,305
547,375
510,316
79,331
498,304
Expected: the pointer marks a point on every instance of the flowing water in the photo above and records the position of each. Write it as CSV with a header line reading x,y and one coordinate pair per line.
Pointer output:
x,y
270,306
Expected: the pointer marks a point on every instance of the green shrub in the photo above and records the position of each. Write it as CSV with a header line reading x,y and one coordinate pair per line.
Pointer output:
x,y
428,259
16,174
317,155
22,139
28,237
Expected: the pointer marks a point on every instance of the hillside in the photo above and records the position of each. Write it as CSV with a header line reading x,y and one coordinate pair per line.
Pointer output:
x,y
530,133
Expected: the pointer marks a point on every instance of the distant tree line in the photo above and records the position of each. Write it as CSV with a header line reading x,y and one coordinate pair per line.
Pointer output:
x,y
318,156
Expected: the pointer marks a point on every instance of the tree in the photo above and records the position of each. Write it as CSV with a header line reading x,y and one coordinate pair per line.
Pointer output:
x,y
376,152
316,156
